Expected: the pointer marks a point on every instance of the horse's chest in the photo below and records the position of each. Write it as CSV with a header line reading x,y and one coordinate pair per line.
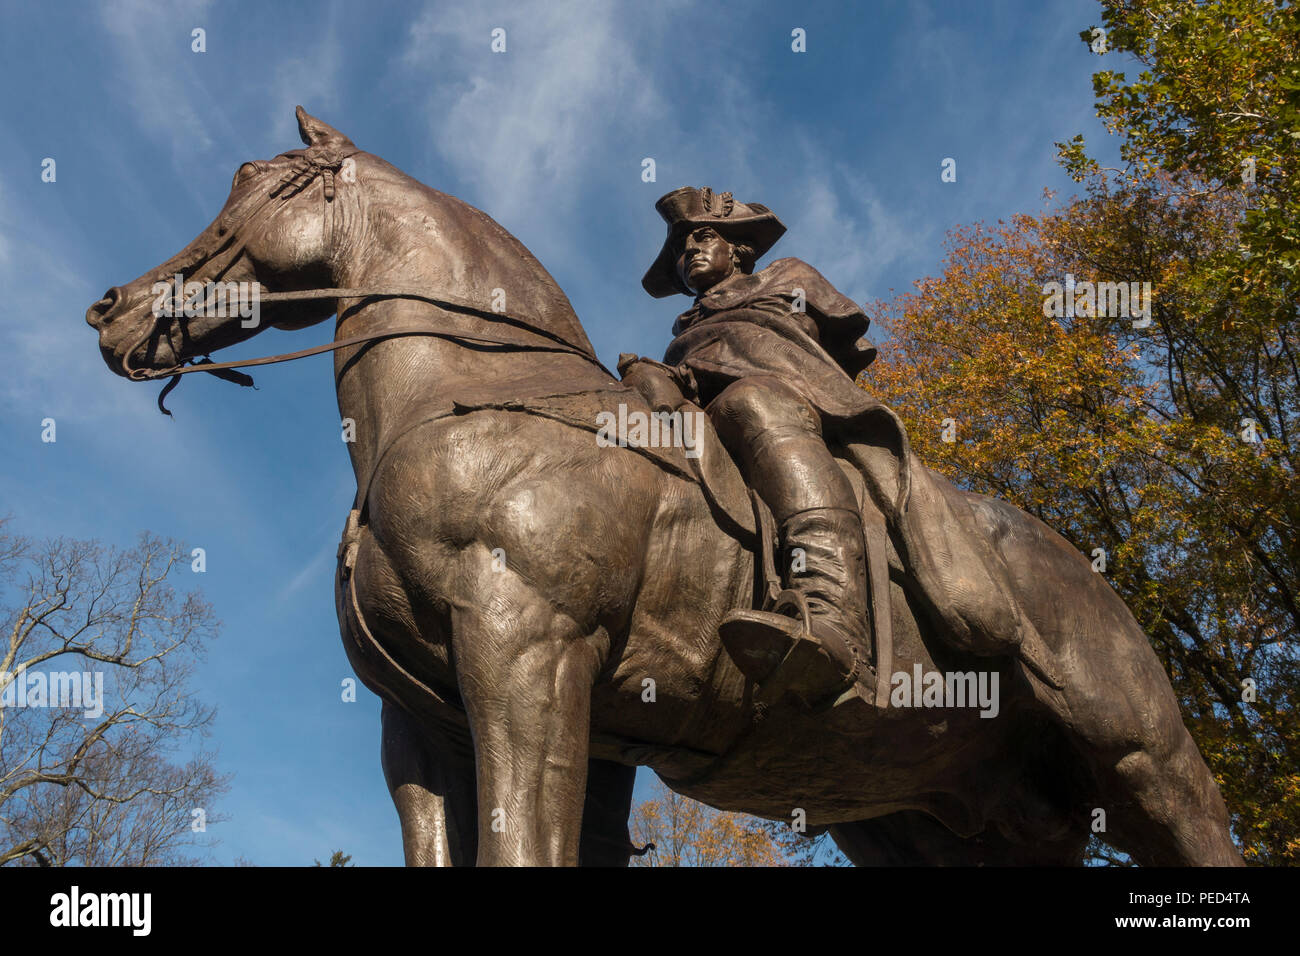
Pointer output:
x,y
385,645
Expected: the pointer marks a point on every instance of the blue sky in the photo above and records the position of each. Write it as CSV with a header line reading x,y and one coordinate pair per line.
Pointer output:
x,y
844,142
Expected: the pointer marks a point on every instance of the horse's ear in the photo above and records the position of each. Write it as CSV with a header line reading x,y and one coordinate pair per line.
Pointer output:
x,y
316,133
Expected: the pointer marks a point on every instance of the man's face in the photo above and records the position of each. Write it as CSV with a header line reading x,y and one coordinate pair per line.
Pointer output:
x,y
705,260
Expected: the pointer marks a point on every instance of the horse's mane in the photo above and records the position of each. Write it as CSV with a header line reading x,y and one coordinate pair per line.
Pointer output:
x,y
488,248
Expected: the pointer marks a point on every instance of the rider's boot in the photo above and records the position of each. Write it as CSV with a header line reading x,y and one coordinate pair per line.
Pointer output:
x,y
819,655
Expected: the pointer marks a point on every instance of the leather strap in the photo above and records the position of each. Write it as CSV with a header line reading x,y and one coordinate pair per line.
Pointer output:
x,y
540,340
876,537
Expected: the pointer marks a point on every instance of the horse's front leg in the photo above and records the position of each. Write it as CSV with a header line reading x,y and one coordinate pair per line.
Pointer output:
x,y
525,672
432,786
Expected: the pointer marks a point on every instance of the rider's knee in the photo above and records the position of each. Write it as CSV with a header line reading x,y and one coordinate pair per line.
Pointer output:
x,y
750,406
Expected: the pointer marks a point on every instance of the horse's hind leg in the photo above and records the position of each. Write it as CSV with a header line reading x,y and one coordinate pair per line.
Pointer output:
x,y
605,840
1162,805
1116,705
1160,802
433,791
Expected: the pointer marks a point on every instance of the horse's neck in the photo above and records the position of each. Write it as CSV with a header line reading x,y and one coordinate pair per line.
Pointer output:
x,y
388,387
416,237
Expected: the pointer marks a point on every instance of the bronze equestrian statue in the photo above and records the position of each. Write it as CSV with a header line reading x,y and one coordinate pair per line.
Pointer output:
x,y
542,611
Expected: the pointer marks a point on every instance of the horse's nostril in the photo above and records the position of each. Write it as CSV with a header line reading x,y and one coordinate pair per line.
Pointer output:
x,y
101,312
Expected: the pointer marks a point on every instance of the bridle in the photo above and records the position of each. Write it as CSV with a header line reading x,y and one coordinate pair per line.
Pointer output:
x,y
324,161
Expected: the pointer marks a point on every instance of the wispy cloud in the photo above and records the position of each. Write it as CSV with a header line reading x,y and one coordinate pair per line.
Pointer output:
x,y
843,226
572,85
143,31
308,74
7,225
318,568
55,368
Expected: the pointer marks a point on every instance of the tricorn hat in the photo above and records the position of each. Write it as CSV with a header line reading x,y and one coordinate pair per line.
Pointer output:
x,y
687,209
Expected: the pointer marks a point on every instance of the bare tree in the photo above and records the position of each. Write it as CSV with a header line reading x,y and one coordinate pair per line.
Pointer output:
x,y
101,740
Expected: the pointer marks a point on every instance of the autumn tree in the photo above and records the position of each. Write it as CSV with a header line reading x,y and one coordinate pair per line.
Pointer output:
x,y
803,849
687,833
337,858
101,758
1216,101
1159,441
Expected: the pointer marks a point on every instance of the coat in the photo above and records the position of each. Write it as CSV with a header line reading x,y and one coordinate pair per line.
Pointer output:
x,y
748,325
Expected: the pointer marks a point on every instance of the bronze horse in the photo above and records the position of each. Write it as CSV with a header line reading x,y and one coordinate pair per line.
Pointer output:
x,y
539,613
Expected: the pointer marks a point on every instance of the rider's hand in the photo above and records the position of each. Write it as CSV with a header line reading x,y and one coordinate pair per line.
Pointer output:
x,y
655,381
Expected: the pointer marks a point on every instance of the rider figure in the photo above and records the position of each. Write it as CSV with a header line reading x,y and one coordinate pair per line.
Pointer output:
x,y
772,356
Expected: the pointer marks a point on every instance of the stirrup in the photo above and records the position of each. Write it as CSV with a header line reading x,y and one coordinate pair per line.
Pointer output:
x,y
783,654
759,640
860,671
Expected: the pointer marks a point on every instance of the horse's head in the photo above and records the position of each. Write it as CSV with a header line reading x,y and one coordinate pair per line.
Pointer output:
x,y
274,231
300,232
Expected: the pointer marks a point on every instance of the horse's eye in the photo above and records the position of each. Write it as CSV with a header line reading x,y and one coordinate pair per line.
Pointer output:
x,y
244,173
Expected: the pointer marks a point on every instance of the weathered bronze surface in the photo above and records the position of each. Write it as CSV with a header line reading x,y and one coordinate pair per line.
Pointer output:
x,y
536,570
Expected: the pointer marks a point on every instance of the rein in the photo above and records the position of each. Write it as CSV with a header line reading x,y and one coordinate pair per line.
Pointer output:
x,y
543,341
527,337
